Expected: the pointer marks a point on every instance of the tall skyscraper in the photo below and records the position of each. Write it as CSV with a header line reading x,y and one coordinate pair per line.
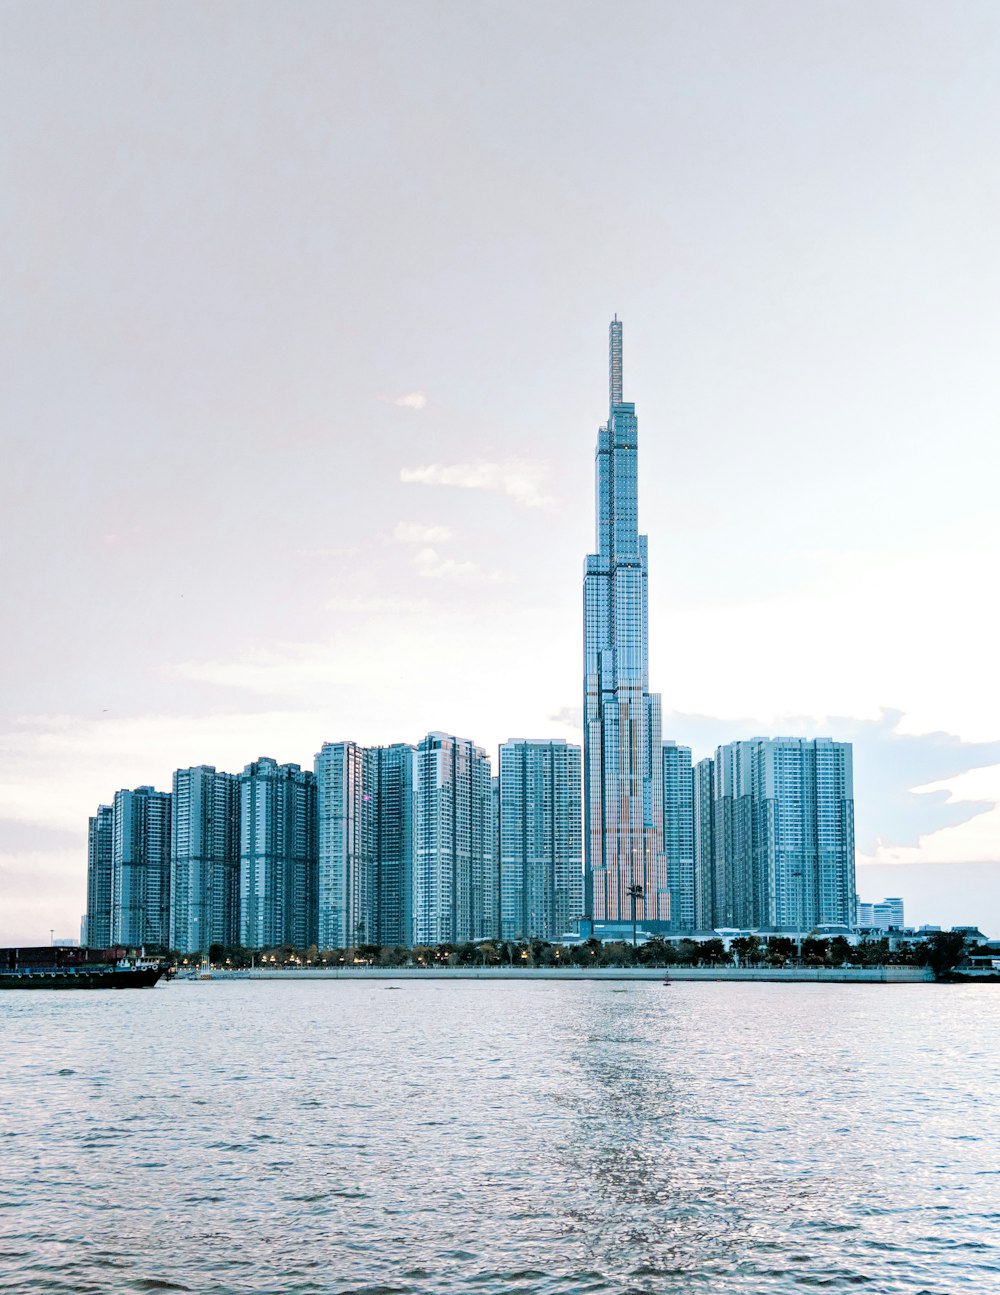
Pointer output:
x,y
100,865
140,867
346,900
204,860
278,855
622,760
678,835
455,870
784,834
703,822
389,783
541,868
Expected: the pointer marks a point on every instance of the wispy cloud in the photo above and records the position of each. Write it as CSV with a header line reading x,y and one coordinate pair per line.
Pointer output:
x,y
431,564
417,533
412,400
523,480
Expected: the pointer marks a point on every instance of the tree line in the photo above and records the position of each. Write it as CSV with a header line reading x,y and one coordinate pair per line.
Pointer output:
x,y
942,951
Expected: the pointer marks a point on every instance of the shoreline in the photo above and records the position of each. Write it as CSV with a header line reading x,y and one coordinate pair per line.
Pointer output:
x,y
782,975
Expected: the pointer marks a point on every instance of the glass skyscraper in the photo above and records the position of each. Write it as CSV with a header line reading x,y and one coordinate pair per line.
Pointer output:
x,y
389,784
345,915
278,855
204,860
455,873
100,865
622,752
783,834
541,868
678,835
140,867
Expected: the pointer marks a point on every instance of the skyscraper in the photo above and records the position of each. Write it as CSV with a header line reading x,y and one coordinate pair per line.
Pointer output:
x,y
678,835
703,824
204,860
389,783
100,865
784,834
622,752
140,867
343,797
541,868
278,855
455,870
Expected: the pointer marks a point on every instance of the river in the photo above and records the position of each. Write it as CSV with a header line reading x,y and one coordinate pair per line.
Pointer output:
x,y
325,1137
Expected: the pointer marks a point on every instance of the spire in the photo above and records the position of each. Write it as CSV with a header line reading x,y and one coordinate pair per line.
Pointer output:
x,y
615,361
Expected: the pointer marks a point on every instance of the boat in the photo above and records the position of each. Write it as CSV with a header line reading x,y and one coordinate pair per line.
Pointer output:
x,y
59,967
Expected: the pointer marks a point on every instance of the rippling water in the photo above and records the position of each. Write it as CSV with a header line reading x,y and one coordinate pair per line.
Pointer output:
x,y
332,1137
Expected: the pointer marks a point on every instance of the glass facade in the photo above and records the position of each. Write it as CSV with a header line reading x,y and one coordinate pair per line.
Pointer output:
x,y
678,835
783,834
622,762
456,891
345,875
140,867
100,863
541,866
204,861
278,855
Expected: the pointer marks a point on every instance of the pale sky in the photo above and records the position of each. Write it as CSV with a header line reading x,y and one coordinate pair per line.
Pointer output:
x,y
303,336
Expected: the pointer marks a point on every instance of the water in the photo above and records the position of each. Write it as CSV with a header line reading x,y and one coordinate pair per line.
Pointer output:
x,y
331,1137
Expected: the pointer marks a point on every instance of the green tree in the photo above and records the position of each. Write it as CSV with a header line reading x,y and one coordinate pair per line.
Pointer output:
x,y
943,951
780,950
710,952
815,952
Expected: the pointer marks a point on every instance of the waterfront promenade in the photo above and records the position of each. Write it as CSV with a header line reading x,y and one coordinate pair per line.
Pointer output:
x,y
826,975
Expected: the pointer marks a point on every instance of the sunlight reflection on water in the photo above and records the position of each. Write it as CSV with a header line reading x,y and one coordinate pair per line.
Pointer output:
x,y
330,1137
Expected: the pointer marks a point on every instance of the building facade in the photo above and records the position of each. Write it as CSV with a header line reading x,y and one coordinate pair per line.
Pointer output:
x,y
345,913
540,846
204,860
389,786
625,860
884,916
455,870
703,833
278,855
678,836
100,866
140,868
783,834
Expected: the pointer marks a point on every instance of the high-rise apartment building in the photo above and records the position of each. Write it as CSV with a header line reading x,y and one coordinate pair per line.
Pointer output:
x,y
455,871
140,867
678,836
888,914
622,764
541,865
783,834
278,855
204,860
345,891
703,827
389,786
100,865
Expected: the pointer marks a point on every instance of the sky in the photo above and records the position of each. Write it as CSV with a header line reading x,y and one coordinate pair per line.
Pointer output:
x,y
303,347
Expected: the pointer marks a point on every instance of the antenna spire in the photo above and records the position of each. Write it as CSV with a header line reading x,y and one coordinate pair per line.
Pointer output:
x,y
615,361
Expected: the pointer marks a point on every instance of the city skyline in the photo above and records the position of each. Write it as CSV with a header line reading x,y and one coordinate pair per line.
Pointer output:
x,y
283,390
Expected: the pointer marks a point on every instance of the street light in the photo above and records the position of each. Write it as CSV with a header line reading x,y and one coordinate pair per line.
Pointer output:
x,y
634,892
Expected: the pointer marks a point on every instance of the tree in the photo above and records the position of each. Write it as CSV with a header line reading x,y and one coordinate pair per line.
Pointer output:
x,y
943,951
815,952
711,951
780,950
840,951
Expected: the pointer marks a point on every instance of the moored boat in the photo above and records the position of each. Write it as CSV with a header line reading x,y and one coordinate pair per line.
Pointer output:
x,y
74,968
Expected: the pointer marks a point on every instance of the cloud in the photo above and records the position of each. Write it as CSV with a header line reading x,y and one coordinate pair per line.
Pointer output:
x,y
522,479
571,716
431,565
412,400
416,533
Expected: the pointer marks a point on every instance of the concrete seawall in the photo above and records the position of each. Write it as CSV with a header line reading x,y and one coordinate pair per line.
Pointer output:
x,y
814,975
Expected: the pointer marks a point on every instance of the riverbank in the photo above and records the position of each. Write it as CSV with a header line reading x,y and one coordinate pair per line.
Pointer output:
x,y
825,975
